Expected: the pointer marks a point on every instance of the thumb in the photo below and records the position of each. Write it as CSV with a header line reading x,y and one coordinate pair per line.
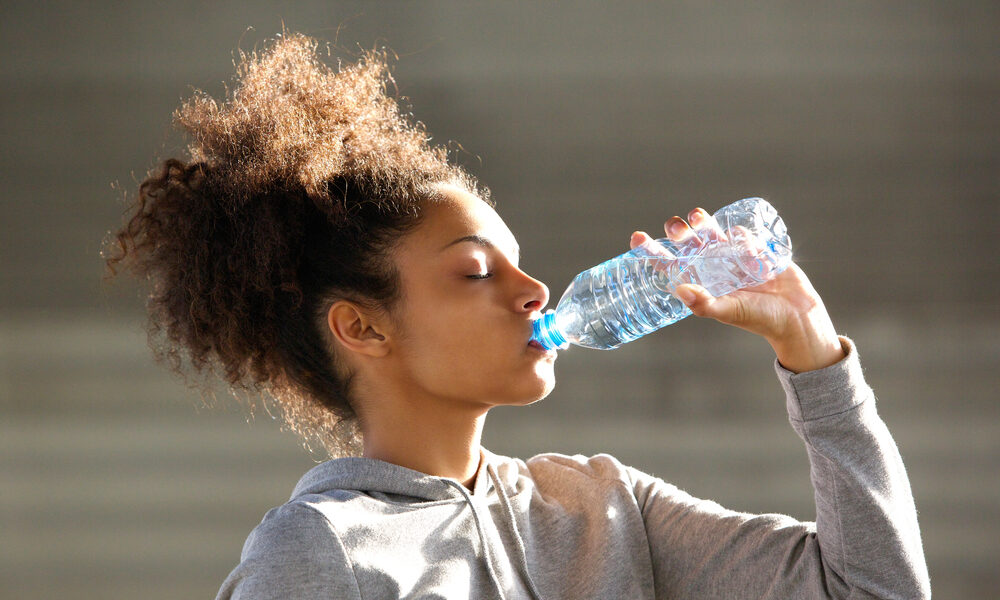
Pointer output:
x,y
704,304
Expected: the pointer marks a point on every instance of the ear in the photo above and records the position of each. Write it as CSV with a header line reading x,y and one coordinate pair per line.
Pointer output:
x,y
356,329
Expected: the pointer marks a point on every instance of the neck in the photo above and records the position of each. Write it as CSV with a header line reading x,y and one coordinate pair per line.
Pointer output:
x,y
426,438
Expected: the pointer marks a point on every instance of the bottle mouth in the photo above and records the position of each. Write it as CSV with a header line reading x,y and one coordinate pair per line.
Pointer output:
x,y
546,333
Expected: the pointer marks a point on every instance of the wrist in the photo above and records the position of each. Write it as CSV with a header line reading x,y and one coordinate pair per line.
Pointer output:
x,y
809,345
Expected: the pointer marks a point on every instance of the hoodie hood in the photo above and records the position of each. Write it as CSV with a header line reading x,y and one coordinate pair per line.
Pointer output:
x,y
370,475
385,481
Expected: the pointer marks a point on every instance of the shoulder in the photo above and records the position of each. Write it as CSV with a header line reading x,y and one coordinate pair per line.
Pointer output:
x,y
560,475
586,470
295,528
566,468
293,552
577,471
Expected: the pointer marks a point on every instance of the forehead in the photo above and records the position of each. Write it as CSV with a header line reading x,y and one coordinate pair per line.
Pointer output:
x,y
456,213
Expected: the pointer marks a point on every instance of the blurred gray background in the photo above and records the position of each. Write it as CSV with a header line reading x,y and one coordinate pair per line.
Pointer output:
x,y
872,127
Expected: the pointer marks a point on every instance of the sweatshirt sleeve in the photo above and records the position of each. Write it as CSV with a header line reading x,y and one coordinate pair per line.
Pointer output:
x,y
293,553
865,542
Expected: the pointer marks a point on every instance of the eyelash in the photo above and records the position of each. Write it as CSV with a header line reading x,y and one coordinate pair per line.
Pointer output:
x,y
483,276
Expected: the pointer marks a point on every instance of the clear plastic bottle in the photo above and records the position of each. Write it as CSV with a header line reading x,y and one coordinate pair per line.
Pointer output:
x,y
631,295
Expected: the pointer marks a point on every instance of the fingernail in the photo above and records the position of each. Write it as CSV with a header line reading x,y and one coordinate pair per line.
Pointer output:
x,y
686,295
676,228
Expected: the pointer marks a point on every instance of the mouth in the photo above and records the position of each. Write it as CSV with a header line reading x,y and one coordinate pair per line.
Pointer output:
x,y
534,344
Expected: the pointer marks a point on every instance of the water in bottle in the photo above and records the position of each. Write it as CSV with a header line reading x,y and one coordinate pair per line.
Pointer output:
x,y
631,295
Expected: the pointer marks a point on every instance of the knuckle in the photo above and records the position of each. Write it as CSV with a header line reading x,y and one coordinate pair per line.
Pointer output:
x,y
739,312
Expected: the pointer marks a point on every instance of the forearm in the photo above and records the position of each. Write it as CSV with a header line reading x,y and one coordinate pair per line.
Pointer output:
x,y
865,516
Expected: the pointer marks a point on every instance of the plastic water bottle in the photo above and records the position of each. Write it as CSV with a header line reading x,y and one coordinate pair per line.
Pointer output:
x,y
631,295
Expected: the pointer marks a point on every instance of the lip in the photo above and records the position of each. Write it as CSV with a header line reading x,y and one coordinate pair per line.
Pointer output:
x,y
534,345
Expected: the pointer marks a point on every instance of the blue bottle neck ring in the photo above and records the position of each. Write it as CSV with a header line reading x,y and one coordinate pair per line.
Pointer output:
x,y
546,332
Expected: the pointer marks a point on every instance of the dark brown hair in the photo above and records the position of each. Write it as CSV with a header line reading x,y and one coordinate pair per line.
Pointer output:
x,y
297,187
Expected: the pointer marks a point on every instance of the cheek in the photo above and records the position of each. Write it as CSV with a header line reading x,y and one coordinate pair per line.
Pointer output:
x,y
440,332
443,342
448,321
457,358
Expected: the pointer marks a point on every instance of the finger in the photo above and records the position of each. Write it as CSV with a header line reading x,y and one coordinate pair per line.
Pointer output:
x,y
726,309
693,296
746,239
706,226
639,238
650,247
677,230
753,254
744,243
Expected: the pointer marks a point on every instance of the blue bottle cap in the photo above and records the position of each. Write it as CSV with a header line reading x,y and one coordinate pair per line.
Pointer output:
x,y
546,332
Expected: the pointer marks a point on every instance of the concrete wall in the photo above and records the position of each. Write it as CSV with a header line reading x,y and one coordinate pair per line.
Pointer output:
x,y
872,127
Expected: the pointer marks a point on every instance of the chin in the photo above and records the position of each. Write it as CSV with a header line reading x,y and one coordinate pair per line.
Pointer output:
x,y
546,382
548,390
524,387
528,392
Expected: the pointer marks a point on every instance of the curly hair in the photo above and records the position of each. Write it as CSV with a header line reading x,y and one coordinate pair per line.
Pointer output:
x,y
298,186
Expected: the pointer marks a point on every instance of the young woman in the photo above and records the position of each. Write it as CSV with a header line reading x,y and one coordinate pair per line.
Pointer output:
x,y
316,249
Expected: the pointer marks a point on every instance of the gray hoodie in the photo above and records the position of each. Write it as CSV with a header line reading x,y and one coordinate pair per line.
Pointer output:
x,y
573,527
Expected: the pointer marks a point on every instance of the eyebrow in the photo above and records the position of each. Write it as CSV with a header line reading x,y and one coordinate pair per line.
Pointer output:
x,y
480,241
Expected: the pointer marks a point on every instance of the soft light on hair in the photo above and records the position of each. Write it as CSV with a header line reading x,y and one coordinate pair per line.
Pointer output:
x,y
297,187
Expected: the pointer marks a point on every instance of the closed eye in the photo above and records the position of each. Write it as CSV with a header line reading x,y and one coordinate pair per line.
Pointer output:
x,y
480,276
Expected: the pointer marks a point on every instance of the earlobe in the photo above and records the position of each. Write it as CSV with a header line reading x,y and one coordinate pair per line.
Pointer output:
x,y
356,330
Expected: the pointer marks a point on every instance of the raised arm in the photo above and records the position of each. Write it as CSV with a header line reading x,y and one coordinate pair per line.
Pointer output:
x,y
865,542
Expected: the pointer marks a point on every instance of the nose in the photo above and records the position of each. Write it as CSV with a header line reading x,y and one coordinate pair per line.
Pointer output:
x,y
532,295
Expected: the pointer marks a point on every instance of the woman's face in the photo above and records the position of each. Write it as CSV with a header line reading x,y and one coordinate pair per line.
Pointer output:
x,y
463,321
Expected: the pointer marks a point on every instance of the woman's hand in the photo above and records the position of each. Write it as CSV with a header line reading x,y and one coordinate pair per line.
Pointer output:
x,y
786,311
